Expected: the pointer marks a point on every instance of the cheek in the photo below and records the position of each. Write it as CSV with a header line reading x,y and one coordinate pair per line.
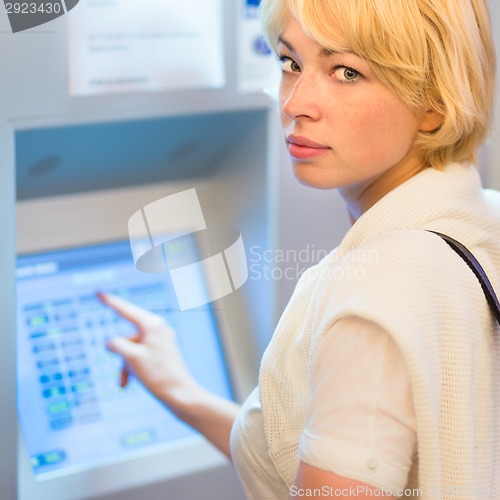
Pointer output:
x,y
385,130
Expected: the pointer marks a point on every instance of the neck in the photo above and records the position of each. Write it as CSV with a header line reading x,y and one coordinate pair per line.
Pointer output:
x,y
362,196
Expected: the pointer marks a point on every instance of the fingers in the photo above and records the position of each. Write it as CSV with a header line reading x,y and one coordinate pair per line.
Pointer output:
x,y
129,311
126,348
124,376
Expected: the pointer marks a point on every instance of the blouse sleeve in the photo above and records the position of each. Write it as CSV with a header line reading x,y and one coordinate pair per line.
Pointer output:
x,y
360,420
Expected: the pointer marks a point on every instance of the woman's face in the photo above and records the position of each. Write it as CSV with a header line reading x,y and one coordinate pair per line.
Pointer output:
x,y
343,127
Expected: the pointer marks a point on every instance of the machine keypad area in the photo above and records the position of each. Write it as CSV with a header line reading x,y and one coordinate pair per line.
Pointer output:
x,y
72,409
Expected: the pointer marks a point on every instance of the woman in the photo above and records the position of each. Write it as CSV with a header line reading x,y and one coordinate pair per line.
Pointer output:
x,y
384,371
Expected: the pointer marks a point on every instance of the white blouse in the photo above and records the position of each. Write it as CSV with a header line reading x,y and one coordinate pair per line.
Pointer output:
x,y
360,420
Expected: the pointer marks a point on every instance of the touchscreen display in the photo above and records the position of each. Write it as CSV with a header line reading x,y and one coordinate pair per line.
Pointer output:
x,y
71,409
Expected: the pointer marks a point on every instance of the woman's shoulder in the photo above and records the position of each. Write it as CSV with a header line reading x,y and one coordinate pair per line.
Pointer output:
x,y
408,282
401,251
396,273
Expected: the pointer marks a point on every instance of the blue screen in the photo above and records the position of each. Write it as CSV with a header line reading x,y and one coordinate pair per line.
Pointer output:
x,y
71,409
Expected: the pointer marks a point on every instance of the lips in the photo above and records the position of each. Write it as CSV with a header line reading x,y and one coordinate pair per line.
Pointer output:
x,y
303,148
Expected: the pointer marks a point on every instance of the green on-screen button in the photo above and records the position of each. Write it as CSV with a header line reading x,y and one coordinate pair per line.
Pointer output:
x,y
138,438
48,458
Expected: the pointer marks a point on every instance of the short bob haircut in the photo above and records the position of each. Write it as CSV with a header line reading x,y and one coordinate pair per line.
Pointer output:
x,y
437,54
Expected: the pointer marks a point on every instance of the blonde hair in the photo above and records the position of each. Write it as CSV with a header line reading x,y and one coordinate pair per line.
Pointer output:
x,y
437,54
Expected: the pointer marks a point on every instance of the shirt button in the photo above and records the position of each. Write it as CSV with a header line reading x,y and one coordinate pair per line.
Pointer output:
x,y
372,464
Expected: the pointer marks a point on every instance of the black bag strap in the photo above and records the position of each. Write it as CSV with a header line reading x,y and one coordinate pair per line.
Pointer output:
x,y
477,269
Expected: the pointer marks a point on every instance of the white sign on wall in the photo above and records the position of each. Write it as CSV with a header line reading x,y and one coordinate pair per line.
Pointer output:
x,y
148,45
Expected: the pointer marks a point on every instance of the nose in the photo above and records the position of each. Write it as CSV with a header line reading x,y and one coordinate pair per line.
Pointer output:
x,y
300,98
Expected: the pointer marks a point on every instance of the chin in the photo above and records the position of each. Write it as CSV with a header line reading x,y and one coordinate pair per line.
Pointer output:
x,y
308,178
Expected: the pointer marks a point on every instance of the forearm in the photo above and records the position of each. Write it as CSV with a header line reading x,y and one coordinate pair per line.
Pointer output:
x,y
211,415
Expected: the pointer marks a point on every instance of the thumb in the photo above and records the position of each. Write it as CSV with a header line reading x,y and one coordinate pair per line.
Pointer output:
x,y
124,347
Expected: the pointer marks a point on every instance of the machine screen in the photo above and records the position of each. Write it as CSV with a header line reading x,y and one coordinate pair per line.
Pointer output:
x,y
71,409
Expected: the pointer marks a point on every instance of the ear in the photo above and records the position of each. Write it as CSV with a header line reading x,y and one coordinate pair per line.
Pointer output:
x,y
430,120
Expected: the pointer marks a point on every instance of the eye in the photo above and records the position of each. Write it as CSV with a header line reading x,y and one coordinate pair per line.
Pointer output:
x,y
288,65
346,74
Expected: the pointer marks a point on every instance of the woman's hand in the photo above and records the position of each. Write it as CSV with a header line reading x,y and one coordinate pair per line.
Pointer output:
x,y
152,354
153,357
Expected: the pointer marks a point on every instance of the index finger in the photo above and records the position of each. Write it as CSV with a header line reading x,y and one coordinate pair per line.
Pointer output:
x,y
135,314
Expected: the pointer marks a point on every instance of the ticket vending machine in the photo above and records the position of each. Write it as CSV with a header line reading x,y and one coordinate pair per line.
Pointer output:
x,y
73,170
80,434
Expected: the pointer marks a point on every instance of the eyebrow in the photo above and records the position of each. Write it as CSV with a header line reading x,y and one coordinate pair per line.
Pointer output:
x,y
323,52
